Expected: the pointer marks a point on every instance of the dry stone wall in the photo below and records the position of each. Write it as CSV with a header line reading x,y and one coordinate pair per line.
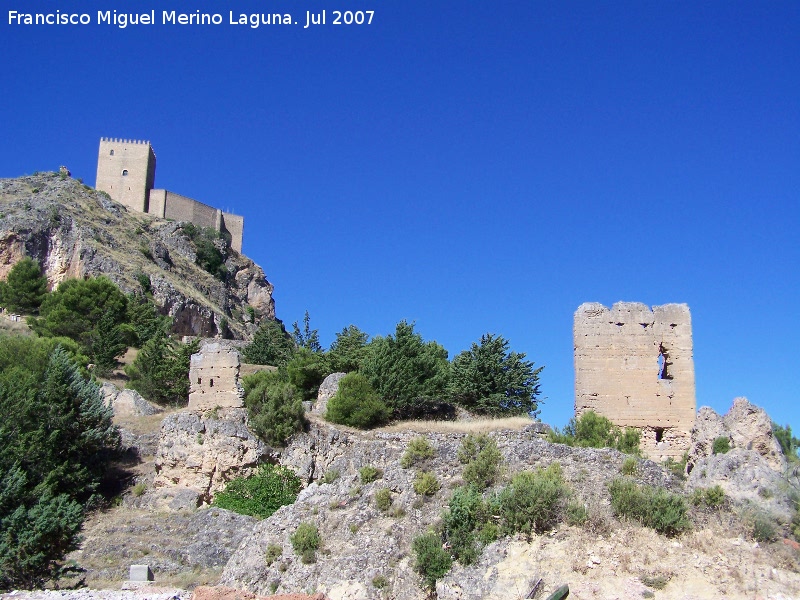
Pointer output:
x,y
634,365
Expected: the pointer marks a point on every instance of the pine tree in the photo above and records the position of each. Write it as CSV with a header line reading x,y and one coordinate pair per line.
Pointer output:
x,y
25,288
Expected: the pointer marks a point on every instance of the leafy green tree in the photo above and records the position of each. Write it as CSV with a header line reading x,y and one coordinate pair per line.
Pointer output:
x,y
108,341
56,438
271,345
407,372
25,288
432,561
307,338
75,309
145,320
160,372
306,371
275,407
348,350
489,379
356,404
789,443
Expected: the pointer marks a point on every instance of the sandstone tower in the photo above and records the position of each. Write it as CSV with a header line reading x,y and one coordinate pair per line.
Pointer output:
x,y
126,171
634,366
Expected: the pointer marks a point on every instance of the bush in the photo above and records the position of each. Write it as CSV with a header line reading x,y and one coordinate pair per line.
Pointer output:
x,y
383,499
630,466
426,484
260,495
764,529
306,371
330,476
356,404
482,459
24,289
789,444
721,445
419,449
369,474
432,561
532,503
274,406
591,430
468,514
305,541
712,497
272,554
652,507
488,379
406,372
577,513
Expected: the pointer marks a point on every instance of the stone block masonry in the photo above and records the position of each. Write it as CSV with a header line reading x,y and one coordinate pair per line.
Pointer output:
x,y
634,365
214,378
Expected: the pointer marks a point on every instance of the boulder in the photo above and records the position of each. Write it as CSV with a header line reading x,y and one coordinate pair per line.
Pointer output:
x,y
327,390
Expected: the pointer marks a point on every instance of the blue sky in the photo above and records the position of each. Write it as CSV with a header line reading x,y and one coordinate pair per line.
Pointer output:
x,y
473,167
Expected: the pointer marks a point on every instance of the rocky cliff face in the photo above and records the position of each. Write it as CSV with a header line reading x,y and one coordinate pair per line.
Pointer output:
x,y
76,231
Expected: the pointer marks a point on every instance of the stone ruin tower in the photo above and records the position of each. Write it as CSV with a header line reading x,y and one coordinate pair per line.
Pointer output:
x,y
634,366
214,378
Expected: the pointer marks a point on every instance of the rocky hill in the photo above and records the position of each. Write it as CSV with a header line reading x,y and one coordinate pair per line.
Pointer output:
x,y
73,230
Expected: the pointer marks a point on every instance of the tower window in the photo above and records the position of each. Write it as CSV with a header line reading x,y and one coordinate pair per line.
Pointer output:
x,y
112,153
124,172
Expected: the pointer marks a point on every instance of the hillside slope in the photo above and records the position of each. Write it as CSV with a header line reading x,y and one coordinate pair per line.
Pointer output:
x,y
76,231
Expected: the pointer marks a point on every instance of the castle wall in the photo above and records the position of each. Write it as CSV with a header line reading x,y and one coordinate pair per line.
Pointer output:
x,y
234,224
126,171
169,205
634,366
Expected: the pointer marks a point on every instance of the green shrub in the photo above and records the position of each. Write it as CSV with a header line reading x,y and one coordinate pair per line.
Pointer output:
x,y
272,554
139,489
260,495
630,466
25,288
533,501
368,474
432,561
764,529
306,371
419,449
383,499
305,541
274,406
426,484
348,350
467,515
330,476
713,496
380,582
789,444
482,459
591,430
677,468
721,445
271,345
356,404
652,507
576,513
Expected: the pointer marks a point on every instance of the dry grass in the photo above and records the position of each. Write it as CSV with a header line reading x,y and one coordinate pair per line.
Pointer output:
x,y
477,426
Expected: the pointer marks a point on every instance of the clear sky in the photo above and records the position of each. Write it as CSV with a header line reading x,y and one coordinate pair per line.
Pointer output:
x,y
470,166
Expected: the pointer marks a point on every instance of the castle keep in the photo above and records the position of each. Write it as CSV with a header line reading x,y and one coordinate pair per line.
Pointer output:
x,y
126,171
634,366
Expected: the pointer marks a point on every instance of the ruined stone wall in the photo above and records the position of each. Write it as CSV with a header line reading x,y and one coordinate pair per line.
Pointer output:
x,y
126,171
634,366
214,378
234,225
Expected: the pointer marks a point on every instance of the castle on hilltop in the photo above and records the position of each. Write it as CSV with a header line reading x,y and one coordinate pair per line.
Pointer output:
x,y
126,171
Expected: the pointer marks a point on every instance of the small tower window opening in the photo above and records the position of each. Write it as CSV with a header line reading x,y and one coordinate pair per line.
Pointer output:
x,y
659,434
199,380
663,363
211,383
111,153
124,172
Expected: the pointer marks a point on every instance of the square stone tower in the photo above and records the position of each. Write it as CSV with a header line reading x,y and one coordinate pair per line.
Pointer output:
x,y
126,171
634,366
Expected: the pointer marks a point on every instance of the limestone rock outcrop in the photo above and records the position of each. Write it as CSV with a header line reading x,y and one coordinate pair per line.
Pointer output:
x,y
127,402
74,231
327,390
202,452
746,425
